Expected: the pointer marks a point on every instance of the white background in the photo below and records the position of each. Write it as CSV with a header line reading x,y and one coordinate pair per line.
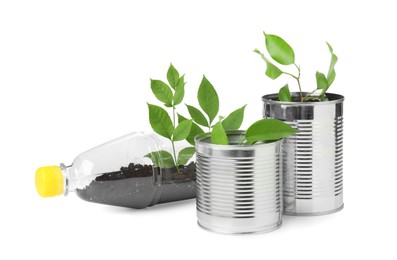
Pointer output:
x,y
74,74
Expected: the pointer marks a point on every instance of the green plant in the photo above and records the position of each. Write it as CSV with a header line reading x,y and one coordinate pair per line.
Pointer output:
x,y
264,130
170,95
209,102
261,131
281,52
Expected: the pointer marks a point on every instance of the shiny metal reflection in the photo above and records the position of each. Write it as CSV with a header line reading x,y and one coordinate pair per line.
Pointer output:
x,y
313,158
238,187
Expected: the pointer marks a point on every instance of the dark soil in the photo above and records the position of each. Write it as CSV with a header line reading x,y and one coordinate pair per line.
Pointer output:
x,y
140,186
139,170
298,99
312,99
133,170
185,172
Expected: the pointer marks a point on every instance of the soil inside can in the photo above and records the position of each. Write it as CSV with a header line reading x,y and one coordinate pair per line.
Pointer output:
x,y
298,99
140,186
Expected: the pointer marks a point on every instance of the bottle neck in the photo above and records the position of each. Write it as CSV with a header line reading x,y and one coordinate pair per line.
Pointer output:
x,y
75,178
66,177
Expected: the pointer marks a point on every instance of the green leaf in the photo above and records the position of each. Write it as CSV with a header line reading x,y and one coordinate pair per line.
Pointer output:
x,y
284,94
234,120
197,116
194,131
185,154
271,70
322,83
162,91
268,130
208,99
331,71
160,121
279,49
172,76
179,91
181,118
321,80
182,130
218,135
162,159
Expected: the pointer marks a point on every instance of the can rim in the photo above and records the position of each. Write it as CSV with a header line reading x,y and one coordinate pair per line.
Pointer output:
x,y
199,140
334,99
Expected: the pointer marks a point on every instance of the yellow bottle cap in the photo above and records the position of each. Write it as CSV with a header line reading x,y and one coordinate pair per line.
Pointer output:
x,y
49,181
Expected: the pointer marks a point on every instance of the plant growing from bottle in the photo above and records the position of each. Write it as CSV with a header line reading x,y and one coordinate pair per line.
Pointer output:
x,y
282,53
186,129
165,125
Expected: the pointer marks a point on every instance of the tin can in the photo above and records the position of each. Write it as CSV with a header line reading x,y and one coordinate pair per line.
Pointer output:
x,y
313,158
238,186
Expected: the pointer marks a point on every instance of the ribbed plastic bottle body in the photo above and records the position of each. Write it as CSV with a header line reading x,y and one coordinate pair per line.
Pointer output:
x,y
120,173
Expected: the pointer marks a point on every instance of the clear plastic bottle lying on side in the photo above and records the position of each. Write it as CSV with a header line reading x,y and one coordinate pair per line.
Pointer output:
x,y
131,171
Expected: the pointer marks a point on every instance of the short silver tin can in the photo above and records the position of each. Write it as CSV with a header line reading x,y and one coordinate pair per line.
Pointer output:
x,y
238,186
313,158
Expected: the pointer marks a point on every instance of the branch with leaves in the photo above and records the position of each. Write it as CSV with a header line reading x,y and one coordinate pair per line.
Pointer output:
x,y
261,131
264,130
170,95
282,53
209,103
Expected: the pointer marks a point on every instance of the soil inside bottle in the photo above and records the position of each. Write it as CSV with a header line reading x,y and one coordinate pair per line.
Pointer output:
x,y
140,186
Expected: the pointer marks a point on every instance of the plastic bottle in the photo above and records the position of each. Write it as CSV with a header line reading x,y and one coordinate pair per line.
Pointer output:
x,y
118,173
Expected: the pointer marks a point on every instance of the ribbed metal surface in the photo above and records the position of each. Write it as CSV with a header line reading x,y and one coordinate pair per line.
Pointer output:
x,y
313,158
238,187
338,155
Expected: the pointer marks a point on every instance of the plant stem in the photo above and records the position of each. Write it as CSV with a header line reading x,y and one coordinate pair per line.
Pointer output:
x,y
287,73
172,141
299,82
308,95
173,117
242,139
175,162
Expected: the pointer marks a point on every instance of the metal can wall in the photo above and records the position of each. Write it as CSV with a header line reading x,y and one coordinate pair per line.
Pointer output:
x,y
313,158
238,187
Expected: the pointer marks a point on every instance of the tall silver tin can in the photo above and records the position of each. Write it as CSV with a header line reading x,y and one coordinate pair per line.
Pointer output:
x,y
313,158
238,187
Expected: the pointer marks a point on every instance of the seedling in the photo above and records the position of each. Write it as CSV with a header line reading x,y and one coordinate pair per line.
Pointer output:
x,y
265,130
282,53
170,95
209,102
